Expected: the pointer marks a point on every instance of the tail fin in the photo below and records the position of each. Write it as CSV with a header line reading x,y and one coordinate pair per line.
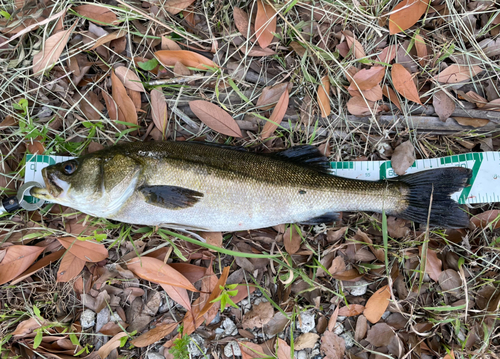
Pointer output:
x,y
440,184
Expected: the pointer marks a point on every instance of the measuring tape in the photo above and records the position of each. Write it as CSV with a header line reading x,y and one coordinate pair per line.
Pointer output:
x,y
484,188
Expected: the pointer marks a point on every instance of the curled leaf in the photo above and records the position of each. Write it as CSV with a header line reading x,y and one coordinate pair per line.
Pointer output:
x,y
323,98
187,58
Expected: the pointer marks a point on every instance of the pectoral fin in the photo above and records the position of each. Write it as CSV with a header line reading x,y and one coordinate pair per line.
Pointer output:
x,y
170,197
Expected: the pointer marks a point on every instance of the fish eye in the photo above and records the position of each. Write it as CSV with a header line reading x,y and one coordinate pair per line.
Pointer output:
x,y
69,168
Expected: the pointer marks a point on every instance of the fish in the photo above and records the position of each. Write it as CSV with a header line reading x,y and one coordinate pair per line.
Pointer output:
x,y
204,187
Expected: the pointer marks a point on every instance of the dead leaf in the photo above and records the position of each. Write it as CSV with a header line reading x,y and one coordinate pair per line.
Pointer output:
x,y
388,54
485,219
156,271
406,14
178,295
260,315
421,48
242,22
292,240
215,117
443,104
284,350
323,98
403,157
97,14
176,6
69,267
17,259
45,261
270,95
338,265
380,335
361,328
213,238
351,310
403,83
332,346
113,343
457,73
129,79
215,293
355,46
181,70
28,326
108,38
110,106
377,304
187,58
126,107
265,23
450,281
433,265
87,250
391,95
52,50
473,122
168,44
450,355
397,227
373,94
358,106
159,110
367,79
208,285
190,271
277,116
251,350
306,341
154,335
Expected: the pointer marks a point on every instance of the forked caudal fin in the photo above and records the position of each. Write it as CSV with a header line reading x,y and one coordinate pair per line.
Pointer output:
x,y
432,189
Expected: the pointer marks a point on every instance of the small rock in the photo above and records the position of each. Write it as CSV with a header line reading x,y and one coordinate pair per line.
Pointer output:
x,y
87,319
301,354
229,327
306,322
102,318
232,349
349,339
155,355
338,328
196,343
219,331
357,288
341,318
115,317
385,315
216,319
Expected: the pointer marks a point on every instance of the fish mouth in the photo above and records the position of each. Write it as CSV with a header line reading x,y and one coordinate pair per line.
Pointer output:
x,y
52,188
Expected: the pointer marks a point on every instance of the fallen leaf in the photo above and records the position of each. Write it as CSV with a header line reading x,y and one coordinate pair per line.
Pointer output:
x,y
380,335
391,95
87,250
323,98
449,280
126,108
450,355
473,122
486,219
406,14
251,350
377,304
260,315
355,46
178,295
113,343
388,54
270,95
52,50
421,48
351,310
215,293
473,97
348,275
242,22
190,271
17,259
403,157
443,104
110,106
187,58
457,73
208,285
156,271
129,79
108,38
284,350
361,328
159,110
358,106
45,261
215,117
338,265
397,227
306,341
28,326
367,79
265,23
181,70
154,335
69,267
373,94
97,14
176,6
332,346
213,238
277,116
168,44
403,83
433,265
292,240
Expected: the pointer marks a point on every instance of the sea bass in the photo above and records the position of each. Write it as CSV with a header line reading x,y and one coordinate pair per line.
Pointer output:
x,y
189,185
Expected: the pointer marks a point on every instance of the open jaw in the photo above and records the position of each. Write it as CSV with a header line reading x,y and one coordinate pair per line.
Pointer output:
x,y
54,187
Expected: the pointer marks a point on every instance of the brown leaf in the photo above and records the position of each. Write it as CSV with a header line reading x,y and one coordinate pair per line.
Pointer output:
x,y
213,238
251,350
178,295
338,265
45,261
358,50
277,116
292,240
97,14
457,73
367,79
450,355
17,259
332,346
284,350
388,54
110,106
176,6
129,79
215,117
391,95
380,335
52,50
215,293
348,275
168,44
69,268
403,157
181,70
113,343
270,95
159,110
187,58
403,83
154,335
473,122
156,271
443,104
108,38
450,281
190,271
265,23
351,310
126,107
377,304
242,22
27,326
323,98
306,341
397,227
421,49
406,14
433,265
358,106
485,219
87,250
260,315
208,285
361,328
373,94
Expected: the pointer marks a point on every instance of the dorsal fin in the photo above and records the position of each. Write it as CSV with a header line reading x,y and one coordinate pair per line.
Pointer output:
x,y
305,155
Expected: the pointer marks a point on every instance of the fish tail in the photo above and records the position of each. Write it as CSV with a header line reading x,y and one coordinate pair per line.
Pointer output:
x,y
432,190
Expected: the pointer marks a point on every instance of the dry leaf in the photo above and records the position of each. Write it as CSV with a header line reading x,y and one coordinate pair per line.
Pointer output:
x,y
450,281
358,50
113,343
397,227
88,251
213,238
292,240
351,310
45,261
126,108
391,95
178,295
129,79
208,285
260,315
271,95
28,326
187,58
306,341
380,335
450,355
367,79
110,106
338,265
242,22
332,346
97,14
190,271
181,70
403,83
388,54
373,94
421,49
358,106
108,38
406,14
277,116
443,104
284,350
485,219
69,268
457,73
361,328
176,6
323,98
154,335
377,304
265,23
403,157
433,265
251,350
52,50
473,122
215,293
159,110
17,259
215,117
168,44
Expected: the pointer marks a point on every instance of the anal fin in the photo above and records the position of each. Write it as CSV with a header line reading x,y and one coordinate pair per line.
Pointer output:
x,y
328,217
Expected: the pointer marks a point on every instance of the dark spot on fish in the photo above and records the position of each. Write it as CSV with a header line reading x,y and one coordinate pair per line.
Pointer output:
x,y
302,191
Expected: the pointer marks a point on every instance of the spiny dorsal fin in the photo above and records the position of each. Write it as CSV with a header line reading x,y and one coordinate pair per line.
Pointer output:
x,y
305,155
